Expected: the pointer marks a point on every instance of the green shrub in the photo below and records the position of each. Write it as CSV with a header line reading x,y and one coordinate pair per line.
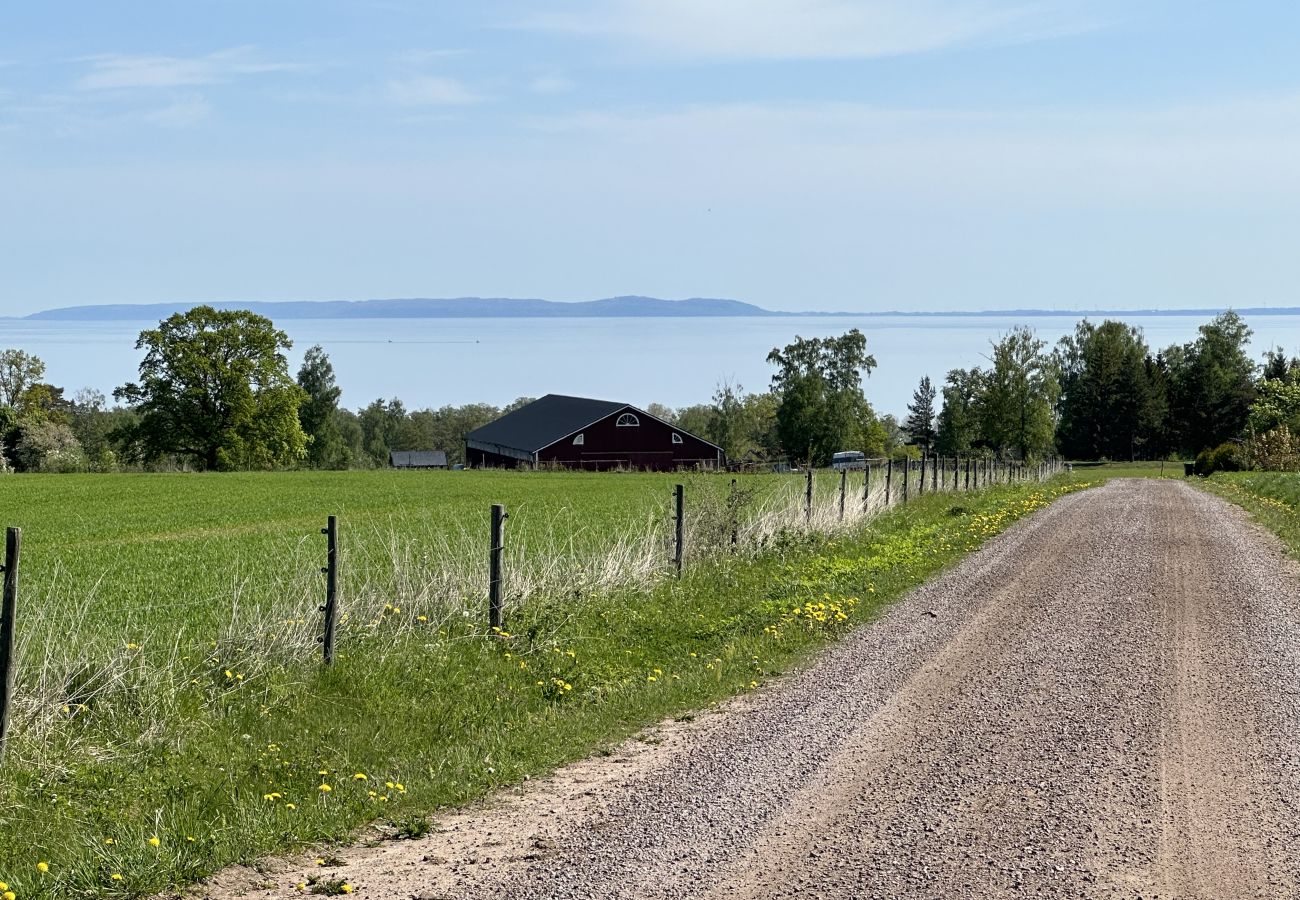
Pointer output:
x,y
1227,457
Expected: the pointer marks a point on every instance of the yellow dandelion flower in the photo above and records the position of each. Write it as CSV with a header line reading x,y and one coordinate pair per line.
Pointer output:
x,y
325,788
10,895
345,888
116,876
154,842
42,867
360,776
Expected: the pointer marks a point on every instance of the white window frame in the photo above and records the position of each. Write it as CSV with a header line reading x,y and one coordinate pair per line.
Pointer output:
x,y
677,438
579,440
622,423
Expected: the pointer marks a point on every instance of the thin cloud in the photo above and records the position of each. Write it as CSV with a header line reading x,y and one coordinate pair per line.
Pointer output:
x,y
424,57
183,113
733,30
550,84
1225,153
122,72
430,90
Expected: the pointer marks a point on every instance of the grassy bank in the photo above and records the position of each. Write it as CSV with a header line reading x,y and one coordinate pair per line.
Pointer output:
x,y
1273,498
243,753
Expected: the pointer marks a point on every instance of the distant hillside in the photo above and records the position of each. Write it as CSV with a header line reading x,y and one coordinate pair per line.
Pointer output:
x,y
459,308
610,308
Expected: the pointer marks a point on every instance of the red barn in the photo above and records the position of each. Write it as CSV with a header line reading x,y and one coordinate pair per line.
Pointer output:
x,y
578,433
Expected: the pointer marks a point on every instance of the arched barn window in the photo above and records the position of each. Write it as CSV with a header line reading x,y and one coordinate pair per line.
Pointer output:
x,y
578,441
627,420
677,438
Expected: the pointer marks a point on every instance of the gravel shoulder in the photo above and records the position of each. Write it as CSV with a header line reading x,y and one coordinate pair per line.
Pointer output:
x,y
1101,702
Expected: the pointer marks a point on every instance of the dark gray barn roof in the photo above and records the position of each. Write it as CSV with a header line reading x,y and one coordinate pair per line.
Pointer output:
x,y
417,459
543,422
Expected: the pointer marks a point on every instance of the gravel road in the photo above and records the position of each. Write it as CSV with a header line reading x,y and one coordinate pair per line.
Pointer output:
x,y
1102,702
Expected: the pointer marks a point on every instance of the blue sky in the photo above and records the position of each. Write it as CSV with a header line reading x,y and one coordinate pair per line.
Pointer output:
x,y
799,154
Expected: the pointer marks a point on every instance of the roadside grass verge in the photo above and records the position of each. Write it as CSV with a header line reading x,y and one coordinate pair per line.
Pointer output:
x,y
1273,498
1097,471
243,754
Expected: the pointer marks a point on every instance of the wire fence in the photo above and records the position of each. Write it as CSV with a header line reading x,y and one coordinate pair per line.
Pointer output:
x,y
323,605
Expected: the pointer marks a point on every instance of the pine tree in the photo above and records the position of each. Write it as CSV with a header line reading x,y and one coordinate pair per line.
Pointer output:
x,y
920,415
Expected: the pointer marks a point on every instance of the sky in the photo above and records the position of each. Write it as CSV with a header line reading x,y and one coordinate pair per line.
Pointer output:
x,y
799,154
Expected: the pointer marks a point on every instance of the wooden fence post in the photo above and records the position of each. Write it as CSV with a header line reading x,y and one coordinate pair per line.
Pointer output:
x,y
866,488
844,486
907,471
920,485
8,626
331,570
495,604
735,517
889,480
679,527
808,496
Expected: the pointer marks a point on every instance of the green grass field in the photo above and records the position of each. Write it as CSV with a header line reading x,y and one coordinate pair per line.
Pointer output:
x,y
1128,470
169,688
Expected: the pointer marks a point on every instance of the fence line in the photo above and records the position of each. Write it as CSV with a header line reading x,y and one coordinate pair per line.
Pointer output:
x,y
704,527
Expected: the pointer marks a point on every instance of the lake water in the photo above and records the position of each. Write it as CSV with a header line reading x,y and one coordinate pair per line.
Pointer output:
x,y
432,362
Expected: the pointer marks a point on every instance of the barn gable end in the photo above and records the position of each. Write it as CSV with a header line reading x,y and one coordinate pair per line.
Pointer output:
x,y
579,433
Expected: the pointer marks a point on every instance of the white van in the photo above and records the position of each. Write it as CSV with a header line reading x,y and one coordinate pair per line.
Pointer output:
x,y
849,459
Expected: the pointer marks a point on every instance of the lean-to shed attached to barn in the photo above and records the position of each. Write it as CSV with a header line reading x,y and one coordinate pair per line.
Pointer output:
x,y
417,459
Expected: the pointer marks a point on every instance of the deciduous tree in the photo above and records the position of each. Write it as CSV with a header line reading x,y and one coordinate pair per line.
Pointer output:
x,y
822,409
959,420
19,370
215,389
1019,397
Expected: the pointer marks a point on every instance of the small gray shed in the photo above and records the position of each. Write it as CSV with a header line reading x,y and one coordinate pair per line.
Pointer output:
x,y
417,459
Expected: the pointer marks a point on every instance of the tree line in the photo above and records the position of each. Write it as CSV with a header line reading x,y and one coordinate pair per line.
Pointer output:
x,y
215,392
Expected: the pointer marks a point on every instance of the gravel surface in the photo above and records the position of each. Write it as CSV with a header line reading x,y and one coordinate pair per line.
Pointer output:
x,y
1102,702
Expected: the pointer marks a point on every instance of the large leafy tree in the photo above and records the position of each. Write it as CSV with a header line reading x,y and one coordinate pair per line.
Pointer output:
x,y
920,415
819,386
959,420
1108,406
1019,398
19,371
215,389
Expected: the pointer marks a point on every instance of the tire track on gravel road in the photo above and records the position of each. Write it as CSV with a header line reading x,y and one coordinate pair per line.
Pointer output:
x,y
1101,702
